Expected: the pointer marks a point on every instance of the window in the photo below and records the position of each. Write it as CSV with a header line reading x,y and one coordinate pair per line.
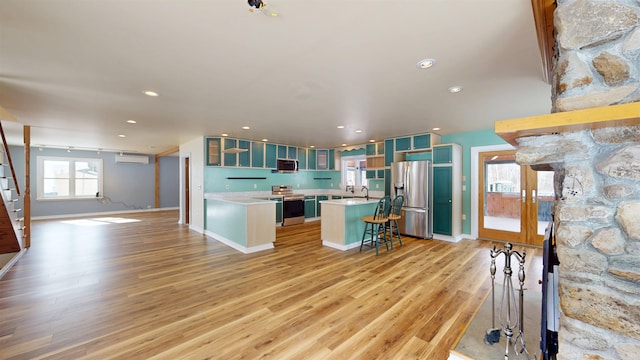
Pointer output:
x,y
354,171
68,178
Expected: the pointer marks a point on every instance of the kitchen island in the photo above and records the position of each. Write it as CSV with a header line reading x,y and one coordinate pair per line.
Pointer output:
x,y
244,224
341,226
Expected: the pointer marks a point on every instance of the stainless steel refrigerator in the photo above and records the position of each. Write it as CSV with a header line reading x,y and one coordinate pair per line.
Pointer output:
x,y
413,180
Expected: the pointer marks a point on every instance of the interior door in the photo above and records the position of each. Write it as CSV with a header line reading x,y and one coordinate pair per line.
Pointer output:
x,y
187,192
514,201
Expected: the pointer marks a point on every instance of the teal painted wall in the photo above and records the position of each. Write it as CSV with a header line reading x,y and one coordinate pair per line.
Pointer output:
x,y
227,219
467,141
215,179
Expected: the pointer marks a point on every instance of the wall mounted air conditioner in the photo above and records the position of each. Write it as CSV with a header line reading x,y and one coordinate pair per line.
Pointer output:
x,y
132,159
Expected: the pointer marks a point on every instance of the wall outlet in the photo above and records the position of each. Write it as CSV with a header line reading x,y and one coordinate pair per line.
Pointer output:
x,y
464,216
298,185
377,186
227,187
331,184
255,186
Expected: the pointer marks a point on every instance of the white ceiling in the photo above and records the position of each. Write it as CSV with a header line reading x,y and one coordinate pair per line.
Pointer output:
x,y
74,70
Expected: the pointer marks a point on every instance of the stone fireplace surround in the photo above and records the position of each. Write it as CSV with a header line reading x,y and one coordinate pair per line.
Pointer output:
x,y
592,142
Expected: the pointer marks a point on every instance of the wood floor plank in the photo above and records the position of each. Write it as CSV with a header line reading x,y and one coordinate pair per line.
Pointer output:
x,y
153,289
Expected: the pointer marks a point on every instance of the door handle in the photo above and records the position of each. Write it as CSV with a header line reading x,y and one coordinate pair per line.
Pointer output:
x,y
533,196
524,196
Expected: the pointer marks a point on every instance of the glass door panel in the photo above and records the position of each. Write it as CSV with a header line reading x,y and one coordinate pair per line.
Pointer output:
x,y
545,198
515,201
501,207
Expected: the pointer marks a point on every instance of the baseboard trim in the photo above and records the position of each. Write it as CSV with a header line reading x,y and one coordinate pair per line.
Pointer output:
x,y
340,246
235,246
11,262
67,216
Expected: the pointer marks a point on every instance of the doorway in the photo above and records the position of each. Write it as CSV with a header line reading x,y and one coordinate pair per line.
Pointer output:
x,y
514,201
187,192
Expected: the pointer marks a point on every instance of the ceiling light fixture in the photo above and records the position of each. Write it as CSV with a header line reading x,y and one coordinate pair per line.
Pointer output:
x,y
312,146
246,128
265,140
150,93
122,136
426,63
344,144
131,121
358,131
340,126
435,129
224,134
372,141
262,7
455,89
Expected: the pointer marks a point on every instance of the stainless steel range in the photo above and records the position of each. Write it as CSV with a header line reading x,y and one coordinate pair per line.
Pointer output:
x,y
292,204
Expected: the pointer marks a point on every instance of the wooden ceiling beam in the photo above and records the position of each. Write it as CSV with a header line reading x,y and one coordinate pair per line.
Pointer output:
x,y
543,19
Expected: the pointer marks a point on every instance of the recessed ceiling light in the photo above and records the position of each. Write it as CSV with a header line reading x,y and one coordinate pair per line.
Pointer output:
x,y
150,93
340,126
455,89
224,134
246,127
372,140
344,144
265,139
122,136
312,146
426,63
131,121
436,129
358,131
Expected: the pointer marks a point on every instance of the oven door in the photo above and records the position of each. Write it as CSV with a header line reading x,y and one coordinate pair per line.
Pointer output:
x,y
292,211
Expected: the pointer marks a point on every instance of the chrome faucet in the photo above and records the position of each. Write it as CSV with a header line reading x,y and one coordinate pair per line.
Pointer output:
x,y
363,189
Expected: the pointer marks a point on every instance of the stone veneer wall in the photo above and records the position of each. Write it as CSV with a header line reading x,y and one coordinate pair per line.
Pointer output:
x,y
597,211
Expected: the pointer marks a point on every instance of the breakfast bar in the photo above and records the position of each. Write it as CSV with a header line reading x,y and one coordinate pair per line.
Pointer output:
x,y
341,226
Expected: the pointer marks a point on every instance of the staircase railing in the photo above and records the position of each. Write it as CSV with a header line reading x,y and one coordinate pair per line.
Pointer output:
x,y
8,155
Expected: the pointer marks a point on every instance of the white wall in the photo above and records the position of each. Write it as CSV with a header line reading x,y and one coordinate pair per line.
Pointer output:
x,y
194,150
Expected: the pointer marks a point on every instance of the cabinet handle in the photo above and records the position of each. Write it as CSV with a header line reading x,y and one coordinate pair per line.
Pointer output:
x,y
533,196
524,196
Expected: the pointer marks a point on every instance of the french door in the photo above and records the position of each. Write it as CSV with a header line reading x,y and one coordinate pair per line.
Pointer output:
x,y
514,201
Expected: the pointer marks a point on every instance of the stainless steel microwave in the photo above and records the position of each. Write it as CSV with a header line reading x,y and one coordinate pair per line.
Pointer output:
x,y
285,165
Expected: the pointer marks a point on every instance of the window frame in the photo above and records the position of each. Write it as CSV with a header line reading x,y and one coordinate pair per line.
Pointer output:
x,y
361,174
71,161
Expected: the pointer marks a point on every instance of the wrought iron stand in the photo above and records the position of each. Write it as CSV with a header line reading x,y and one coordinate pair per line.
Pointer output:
x,y
510,315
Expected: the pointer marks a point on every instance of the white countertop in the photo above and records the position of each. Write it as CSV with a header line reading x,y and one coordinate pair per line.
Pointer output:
x,y
373,194
349,202
240,200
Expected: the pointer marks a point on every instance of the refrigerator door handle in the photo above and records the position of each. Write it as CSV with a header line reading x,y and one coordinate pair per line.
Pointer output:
x,y
415,210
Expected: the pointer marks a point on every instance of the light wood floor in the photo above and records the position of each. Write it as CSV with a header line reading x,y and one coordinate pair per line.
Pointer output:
x,y
152,289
